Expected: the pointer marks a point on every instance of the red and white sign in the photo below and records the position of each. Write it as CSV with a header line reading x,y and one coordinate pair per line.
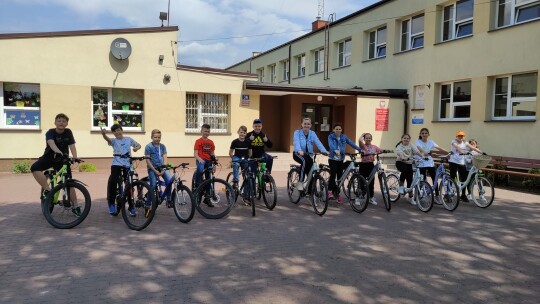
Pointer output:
x,y
381,119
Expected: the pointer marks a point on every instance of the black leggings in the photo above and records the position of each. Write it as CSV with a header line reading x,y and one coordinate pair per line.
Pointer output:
x,y
406,173
336,171
365,169
305,161
112,184
461,170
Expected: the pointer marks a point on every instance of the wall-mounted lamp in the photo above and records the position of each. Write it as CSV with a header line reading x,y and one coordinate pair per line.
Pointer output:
x,y
428,86
161,57
319,98
167,77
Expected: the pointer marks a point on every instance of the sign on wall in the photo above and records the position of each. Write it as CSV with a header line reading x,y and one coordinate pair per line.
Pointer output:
x,y
245,100
381,119
418,119
419,96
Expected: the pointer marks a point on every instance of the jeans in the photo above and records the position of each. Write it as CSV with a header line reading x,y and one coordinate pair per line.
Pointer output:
x,y
152,179
238,163
200,170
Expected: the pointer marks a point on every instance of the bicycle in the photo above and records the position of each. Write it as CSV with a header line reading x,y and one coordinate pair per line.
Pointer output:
x,y
265,184
141,205
211,200
317,189
352,183
422,191
447,188
62,207
383,178
175,193
249,185
482,191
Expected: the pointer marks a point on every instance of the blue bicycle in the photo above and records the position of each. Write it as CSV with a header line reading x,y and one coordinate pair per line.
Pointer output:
x,y
175,193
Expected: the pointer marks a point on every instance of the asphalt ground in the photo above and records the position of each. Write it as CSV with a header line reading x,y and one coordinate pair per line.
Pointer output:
x,y
288,255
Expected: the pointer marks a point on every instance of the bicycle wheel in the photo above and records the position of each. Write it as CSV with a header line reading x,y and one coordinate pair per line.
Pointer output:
x,y
67,205
482,192
269,191
325,174
193,181
319,195
214,198
385,192
140,208
260,184
449,193
392,180
346,183
251,193
423,195
230,182
358,193
183,203
293,177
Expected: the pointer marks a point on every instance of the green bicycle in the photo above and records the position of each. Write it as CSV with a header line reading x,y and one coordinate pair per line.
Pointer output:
x,y
68,203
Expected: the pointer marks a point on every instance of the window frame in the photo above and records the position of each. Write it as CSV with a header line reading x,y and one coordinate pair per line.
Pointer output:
x,y
4,109
201,115
453,104
286,74
511,100
514,12
272,73
375,45
409,35
301,65
344,52
318,60
111,112
456,25
260,74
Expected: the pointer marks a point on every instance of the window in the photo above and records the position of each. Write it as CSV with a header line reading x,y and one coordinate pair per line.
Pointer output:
x,y
272,69
118,106
260,74
457,20
516,11
412,33
344,53
285,69
377,43
20,105
205,108
318,56
455,101
301,65
515,96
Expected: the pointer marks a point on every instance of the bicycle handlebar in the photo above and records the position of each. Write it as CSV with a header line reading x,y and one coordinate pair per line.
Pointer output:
x,y
130,157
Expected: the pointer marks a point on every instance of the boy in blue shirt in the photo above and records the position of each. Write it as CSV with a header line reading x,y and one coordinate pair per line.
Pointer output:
x,y
121,146
157,154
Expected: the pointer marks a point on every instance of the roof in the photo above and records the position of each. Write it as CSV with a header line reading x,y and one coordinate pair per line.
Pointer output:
x,y
357,13
291,89
88,32
214,71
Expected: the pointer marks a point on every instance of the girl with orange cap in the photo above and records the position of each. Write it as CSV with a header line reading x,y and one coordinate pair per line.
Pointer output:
x,y
457,160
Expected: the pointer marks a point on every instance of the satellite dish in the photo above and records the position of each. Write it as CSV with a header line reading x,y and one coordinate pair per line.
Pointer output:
x,y
120,48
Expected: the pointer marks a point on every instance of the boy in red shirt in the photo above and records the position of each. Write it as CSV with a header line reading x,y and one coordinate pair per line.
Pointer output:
x,y
204,152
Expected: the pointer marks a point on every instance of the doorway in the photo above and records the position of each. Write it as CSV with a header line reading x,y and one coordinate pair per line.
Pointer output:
x,y
321,120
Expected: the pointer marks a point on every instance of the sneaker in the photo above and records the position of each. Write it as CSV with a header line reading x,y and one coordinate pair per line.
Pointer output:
x,y
330,195
132,211
208,202
469,197
246,201
464,199
76,211
373,201
438,200
299,186
412,201
339,200
112,209
401,190
44,195
358,201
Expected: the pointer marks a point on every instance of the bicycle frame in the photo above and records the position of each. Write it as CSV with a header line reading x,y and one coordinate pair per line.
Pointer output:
x,y
377,169
350,168
314,170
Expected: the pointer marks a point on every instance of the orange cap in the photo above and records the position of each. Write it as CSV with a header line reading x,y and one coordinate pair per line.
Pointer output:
x,y
460,133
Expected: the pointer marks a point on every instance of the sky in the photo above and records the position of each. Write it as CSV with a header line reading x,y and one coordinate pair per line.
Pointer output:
x,y
213,33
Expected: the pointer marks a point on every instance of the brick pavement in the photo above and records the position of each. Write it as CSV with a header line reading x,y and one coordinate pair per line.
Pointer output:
x,y
289,255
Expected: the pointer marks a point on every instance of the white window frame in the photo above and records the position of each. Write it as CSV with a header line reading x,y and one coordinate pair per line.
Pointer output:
x,y
344,52
111,112
454,25
272,71
453,104
285,67
318,60
515,9
4,109
511,100
410,37
376,45
203,107
260,74
301,65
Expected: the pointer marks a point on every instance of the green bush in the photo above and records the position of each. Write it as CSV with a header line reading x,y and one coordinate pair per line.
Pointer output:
x,y
21,166
87,167
532,182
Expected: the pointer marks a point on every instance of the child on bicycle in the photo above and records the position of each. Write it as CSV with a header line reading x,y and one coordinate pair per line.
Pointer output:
x,y
405,152
157,156
239,152
337,141
366,164
203,152
59,142
258,141
427,166
121,146
303,141
456,162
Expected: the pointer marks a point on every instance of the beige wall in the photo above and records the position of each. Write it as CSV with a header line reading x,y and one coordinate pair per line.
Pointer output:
x,y
479,58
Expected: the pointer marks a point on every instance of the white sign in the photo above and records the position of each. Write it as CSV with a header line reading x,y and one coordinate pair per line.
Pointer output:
x,y
418,119
419,96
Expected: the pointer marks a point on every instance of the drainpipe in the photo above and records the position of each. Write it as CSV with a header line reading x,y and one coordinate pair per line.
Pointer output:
x,y
290,72
406,118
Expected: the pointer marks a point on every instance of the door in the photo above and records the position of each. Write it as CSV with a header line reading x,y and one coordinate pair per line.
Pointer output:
x,y
321,120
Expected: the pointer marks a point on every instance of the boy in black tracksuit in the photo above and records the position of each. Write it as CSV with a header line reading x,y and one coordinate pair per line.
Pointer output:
x,y
258,141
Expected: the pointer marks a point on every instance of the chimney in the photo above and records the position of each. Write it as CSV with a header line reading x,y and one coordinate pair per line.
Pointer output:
x,y
317,24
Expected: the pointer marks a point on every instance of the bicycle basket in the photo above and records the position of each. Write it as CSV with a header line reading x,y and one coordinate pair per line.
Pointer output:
x,y
480,161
